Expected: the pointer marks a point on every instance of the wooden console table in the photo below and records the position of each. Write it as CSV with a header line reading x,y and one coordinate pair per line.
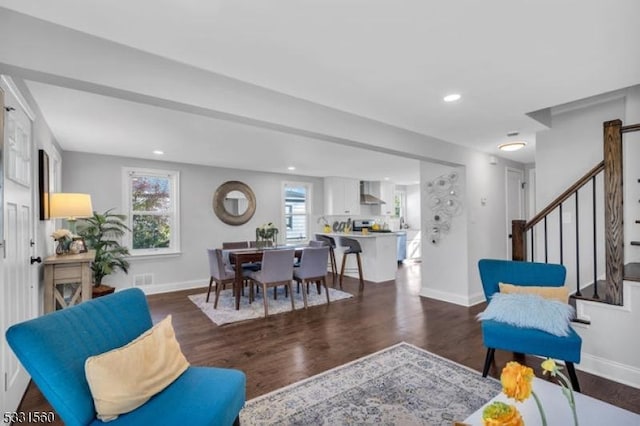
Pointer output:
x,y
67,269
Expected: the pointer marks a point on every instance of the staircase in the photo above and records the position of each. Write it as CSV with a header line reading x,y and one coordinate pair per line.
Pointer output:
x,y
609,174
607,300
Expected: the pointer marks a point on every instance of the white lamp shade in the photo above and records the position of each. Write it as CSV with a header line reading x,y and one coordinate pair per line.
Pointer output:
x,y
69,205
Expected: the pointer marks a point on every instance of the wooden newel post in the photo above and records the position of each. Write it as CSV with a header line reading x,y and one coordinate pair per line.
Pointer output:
x,y
518,246
614,245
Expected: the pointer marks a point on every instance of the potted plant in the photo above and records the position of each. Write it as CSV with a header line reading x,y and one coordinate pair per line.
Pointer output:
x,y
101,233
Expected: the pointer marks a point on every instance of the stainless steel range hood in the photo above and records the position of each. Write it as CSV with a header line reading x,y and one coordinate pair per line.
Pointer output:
x,y
367,193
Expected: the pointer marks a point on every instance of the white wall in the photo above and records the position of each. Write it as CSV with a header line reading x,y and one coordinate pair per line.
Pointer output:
x,y
100,176
450,268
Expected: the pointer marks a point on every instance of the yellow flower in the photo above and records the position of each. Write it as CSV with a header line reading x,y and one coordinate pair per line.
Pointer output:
x,y
516,381
500,414
549,366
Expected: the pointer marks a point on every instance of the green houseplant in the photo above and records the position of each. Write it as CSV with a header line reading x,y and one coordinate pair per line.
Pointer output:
x,y
101,233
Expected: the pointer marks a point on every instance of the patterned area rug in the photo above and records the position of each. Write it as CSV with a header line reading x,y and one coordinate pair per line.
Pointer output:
x,y
227,313
401,385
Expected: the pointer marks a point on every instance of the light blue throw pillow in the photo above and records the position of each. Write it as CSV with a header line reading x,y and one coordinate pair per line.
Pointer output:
x,y
530,311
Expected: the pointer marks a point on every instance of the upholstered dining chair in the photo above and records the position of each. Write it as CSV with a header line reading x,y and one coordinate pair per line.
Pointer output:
x,y
277,269
503,336
219,273
351,246
230,245
331,242
312,269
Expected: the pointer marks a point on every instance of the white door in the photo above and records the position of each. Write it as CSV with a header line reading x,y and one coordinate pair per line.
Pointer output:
x,y
16,282
514,201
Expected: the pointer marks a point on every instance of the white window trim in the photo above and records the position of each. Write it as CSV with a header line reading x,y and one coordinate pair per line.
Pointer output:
x,y
309,202
174,248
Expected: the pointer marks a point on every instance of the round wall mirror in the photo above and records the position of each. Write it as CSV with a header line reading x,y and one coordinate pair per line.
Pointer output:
x,y
234,203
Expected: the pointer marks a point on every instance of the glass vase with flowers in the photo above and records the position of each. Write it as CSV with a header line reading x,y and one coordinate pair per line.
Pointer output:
x,y
266,235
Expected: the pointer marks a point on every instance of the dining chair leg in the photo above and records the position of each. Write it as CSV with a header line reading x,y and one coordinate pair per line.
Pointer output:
x,y
305,283
326,289
318,287
210,284
360,271
264,299
334,265
293,308
218,289
344,263
251,293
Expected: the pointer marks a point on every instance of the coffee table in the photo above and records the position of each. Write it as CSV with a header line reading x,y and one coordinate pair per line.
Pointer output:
x,y
591,412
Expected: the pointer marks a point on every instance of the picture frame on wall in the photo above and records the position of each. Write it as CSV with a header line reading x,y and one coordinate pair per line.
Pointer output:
x,y
43,183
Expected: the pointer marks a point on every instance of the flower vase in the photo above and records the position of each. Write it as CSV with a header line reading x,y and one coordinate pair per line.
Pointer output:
x,y
60,248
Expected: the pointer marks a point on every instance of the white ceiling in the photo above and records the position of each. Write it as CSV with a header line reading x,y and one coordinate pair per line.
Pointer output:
x,y
388,61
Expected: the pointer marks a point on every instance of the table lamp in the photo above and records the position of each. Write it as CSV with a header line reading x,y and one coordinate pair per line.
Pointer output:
x,y
70,206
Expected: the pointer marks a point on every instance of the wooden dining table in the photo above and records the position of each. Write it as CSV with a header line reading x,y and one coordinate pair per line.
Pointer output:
x,y
237,257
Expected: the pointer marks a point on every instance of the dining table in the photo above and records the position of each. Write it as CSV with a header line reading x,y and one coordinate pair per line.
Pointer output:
x,y
238,257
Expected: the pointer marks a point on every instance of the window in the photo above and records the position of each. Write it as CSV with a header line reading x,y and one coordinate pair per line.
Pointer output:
x,y
296,211
152,201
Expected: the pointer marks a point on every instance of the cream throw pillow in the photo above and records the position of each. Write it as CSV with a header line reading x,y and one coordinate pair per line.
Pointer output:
x,y
123,379
555,293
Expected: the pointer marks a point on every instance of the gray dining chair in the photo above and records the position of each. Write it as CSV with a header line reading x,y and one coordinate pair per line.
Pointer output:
x,y
219,273
312,269
331,242
230,245
277,269
351,246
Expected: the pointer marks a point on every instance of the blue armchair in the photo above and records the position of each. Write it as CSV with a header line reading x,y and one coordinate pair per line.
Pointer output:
x,y
498,335
53,349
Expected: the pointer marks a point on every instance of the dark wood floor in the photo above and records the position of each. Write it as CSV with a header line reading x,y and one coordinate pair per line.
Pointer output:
x,y
285,348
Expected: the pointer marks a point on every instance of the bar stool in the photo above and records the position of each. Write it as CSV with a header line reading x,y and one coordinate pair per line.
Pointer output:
x,y
331,242
351,246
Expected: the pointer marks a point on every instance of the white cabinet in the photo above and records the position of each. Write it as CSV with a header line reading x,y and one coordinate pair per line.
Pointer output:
x,y
341,196
387,194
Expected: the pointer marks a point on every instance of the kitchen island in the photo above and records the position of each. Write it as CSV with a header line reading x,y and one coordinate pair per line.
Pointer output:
x,y
379,255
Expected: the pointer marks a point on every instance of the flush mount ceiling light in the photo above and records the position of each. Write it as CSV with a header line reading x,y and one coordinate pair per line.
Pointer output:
x,y
512,146
452,97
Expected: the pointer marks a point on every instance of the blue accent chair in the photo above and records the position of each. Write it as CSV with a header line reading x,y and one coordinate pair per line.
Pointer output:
x,y
498,335
53,349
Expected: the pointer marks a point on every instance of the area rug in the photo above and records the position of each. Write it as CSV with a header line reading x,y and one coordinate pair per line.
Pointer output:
x,y
401,385
226,312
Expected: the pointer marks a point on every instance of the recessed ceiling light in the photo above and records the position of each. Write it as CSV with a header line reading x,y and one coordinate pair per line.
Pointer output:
x,y
291,168
386,178
512,146
158,152
452,97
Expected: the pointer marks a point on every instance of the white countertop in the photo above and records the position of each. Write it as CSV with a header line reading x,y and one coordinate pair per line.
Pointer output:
x,y
358,234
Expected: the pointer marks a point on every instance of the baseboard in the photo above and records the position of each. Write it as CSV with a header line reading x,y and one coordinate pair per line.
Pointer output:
x,y
169,287
450,297
611,370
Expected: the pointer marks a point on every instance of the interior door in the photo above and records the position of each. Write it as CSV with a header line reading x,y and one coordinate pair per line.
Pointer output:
x,y
514,201
17,287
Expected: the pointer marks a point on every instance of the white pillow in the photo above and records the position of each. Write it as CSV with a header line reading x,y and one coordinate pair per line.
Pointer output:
x,y
530,311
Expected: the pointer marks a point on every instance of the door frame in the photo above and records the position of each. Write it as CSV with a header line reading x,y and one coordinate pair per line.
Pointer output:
x,y
9,88
507,203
